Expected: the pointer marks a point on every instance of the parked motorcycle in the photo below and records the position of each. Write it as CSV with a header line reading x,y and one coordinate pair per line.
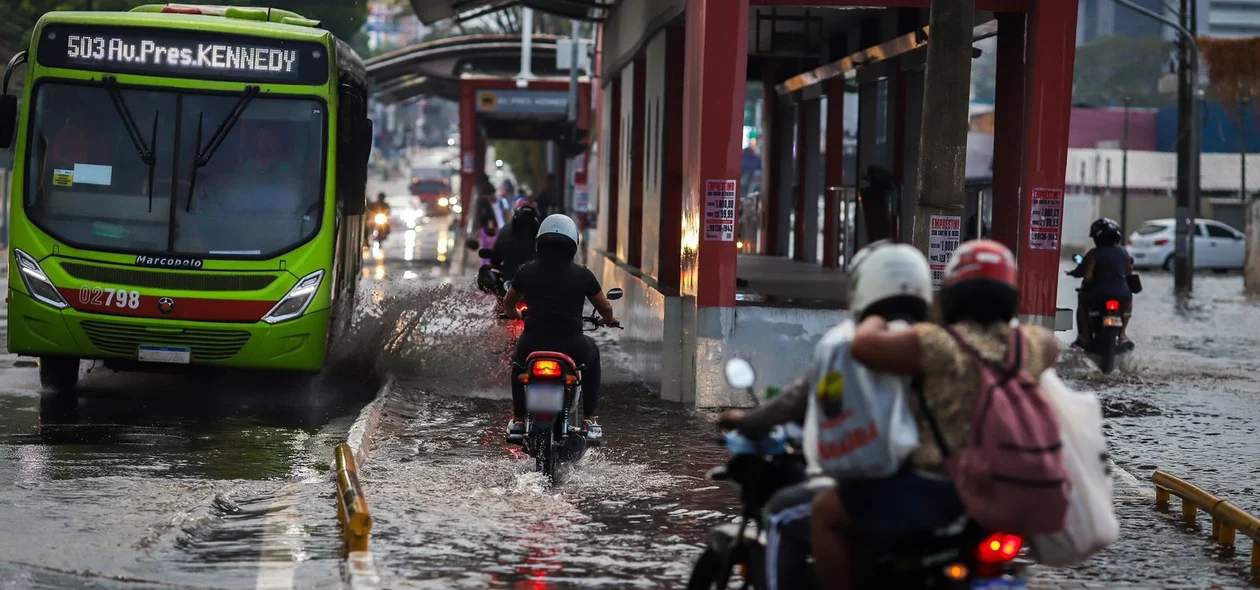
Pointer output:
x,y
553,404
1105,323
962,556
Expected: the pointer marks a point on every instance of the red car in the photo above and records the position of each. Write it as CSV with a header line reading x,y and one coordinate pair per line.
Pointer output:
x,y
434,194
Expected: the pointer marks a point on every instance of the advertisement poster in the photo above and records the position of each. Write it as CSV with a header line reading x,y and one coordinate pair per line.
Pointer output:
x,y
581,199
944,235
1046,223
719,210
469,161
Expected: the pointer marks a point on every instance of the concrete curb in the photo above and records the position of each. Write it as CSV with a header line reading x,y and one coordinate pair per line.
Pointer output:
x,y
360,569
364,428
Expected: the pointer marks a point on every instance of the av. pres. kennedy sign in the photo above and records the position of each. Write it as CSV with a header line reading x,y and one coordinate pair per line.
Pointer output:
x,y
522,101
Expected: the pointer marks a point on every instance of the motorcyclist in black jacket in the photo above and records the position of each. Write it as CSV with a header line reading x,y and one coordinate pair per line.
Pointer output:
x,y
1105,271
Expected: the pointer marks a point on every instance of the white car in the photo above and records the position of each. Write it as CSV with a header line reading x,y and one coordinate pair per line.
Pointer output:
x,y
1216,245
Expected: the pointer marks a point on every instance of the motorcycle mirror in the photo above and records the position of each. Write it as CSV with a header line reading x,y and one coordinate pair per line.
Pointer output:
x,y
485,252
740,373
1077,258
472,243
507,285
615,294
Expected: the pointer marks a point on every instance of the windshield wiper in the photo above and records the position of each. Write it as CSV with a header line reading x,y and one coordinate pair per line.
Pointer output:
x,y
204,153
145,151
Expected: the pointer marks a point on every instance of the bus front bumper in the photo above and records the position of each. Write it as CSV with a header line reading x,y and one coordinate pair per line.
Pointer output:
x,y
35,329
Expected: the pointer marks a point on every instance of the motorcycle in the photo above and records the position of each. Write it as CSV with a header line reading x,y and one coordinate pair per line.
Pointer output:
x,y
380,228
961,556
553,402
1105,324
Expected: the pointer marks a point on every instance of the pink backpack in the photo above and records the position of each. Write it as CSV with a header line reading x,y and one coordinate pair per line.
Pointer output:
x,y
1011,476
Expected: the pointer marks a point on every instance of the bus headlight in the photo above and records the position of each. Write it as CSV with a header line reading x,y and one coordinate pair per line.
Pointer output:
x,y
297,300
37,282
442,202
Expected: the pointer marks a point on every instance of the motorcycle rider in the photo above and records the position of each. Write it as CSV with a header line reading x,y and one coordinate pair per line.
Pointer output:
x,y
979,298
516,247
556,288
889,280
1105,270
369,220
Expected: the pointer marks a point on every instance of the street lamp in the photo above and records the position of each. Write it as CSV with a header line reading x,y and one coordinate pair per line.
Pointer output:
x,y
1124,172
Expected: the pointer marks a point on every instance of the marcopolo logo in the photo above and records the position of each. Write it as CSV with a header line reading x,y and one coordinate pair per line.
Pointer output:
x,y
169,261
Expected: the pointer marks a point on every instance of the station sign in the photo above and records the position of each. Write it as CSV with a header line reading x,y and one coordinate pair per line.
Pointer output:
x,y
541,102
183,53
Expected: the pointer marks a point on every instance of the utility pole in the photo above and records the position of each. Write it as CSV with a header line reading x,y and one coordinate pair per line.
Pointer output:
x,y
1242,150
1124,174
1187,161
943,134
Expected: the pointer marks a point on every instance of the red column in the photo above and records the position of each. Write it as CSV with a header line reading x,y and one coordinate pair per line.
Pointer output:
x,y
1050,55
798,225
672,184
638,131
715,78
1008,129
770,165
833,169
467,146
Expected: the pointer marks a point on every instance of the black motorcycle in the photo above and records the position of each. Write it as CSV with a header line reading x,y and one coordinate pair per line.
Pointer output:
x,y
1106,319
962,556
380,228
553,404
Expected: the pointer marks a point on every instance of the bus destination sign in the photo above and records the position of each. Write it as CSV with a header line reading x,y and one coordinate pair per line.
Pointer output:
x,y
194,54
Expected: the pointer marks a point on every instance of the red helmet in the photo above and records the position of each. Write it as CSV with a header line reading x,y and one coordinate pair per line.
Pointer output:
x,y
981,259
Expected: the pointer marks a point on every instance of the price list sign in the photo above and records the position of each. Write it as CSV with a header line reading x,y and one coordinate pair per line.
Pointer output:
x,y
719,210
945,231
1046,221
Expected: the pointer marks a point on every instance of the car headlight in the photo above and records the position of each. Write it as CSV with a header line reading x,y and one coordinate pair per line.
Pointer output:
x,y
381,219
294,303
442,202
37,282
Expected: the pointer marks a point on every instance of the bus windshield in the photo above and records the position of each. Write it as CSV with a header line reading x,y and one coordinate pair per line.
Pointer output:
x,y
260,192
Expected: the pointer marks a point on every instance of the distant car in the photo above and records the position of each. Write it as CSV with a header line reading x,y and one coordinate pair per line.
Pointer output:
x,y
435,195
1216,245
405,210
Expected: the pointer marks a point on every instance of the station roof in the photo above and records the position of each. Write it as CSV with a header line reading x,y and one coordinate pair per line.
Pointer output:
x,y
431,11
443,61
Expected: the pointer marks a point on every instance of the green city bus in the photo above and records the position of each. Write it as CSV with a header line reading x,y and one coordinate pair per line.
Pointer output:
x,y
188,188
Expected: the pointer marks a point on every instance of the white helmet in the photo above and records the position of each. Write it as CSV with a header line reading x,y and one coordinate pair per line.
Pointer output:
x,y
884,270
558,228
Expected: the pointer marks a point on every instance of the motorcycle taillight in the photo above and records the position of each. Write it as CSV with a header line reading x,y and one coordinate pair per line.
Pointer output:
x,y
546,369
999,548
1113,305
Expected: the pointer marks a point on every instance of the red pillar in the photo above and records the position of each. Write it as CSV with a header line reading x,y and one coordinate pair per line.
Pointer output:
x,y
715,78
770,165
1008,129
798,225
467,146
1050,56
672,184
638,132
833,170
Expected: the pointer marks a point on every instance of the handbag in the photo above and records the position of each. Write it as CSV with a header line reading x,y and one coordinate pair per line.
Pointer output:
x,y
1135,283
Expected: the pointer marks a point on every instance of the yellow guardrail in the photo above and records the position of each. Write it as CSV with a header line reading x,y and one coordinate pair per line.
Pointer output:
x,y
352,509
1227,519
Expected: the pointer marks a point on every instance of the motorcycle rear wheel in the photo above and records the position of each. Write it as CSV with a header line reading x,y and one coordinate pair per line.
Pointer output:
x,y
1107,352
546,460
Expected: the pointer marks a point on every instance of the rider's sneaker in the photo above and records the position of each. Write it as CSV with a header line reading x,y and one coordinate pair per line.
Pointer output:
x,y
592,428
516,431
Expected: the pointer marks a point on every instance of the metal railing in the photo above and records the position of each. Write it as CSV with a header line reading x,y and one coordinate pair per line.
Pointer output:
x,y
352,509
1227,519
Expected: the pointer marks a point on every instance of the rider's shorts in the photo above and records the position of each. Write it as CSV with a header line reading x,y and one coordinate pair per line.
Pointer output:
x,y
900,506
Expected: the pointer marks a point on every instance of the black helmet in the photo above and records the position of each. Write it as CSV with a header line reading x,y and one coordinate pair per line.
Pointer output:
x,y
1105,232
525,220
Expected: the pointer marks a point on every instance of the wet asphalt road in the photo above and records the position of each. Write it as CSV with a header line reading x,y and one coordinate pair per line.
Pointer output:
x,y
165,481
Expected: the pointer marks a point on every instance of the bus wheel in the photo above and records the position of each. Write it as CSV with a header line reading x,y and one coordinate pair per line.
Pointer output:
x,y
58,374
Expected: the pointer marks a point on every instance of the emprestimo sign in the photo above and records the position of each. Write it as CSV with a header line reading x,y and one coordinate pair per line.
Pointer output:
x,y
183,53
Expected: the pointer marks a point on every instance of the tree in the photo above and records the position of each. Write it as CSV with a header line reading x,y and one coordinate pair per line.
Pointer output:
x,y
1110,68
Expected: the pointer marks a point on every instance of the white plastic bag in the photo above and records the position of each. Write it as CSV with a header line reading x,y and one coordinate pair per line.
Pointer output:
x,y
1091,523
859,423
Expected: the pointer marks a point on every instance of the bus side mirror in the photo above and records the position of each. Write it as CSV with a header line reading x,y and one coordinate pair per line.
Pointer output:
x,y
8,120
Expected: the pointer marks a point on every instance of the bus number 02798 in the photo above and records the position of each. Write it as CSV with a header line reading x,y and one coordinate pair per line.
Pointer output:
x,y
106,297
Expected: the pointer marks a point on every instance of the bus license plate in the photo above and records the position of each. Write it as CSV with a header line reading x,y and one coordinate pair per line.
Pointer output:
x,y
1110,321
546,398
998,584
166,354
